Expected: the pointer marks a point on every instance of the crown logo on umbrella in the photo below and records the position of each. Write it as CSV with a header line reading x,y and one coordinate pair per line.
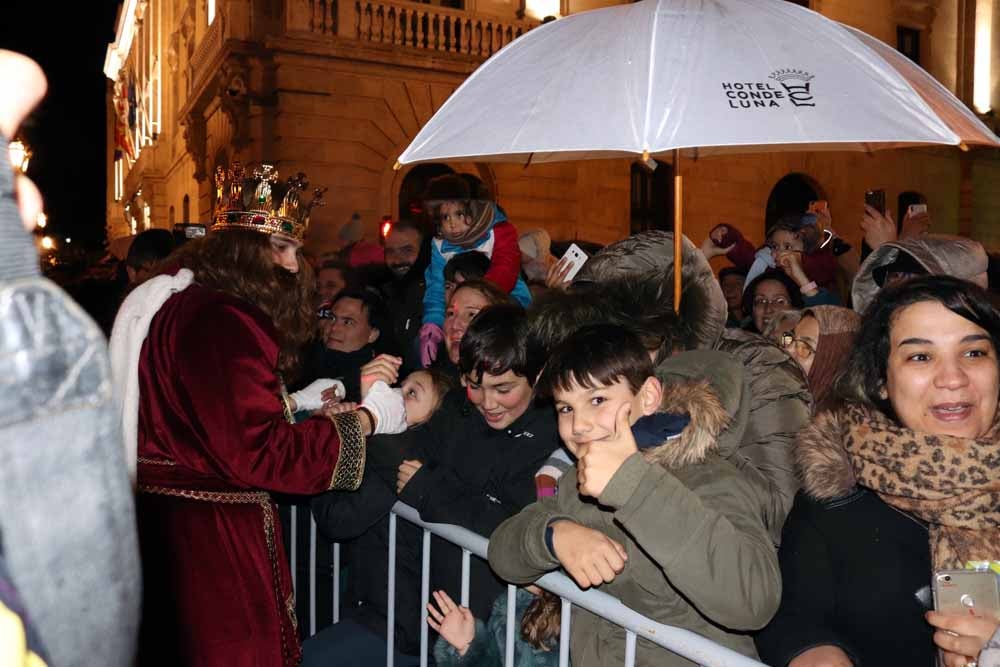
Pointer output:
x,y
255,198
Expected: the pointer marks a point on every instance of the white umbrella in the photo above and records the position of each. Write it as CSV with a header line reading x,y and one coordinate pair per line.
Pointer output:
x,y
706,76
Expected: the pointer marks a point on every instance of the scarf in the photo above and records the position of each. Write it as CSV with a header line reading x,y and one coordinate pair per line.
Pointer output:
x,y
951,483
482,213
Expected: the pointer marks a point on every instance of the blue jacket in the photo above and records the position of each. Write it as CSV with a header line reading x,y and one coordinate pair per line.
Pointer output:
x,y
441,252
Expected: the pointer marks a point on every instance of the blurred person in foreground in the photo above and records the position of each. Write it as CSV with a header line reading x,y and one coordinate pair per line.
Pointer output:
x,y
69,562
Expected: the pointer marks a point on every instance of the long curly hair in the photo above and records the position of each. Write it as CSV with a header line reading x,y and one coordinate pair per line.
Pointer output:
x,y
239,262
540,624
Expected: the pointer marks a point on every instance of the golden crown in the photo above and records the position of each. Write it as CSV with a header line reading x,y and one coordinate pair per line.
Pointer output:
x,y
254,198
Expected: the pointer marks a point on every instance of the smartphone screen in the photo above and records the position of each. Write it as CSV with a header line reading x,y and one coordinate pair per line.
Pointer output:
x,y
876,199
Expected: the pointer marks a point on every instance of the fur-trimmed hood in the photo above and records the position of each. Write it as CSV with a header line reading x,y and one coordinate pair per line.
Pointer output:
x,y
649,257
821,460
708,386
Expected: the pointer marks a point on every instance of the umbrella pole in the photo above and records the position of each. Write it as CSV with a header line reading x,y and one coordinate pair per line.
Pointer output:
x,y
678,231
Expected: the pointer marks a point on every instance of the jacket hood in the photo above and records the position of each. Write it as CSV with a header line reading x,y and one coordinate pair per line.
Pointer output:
x,y
821,460
649,256
710,388
939,254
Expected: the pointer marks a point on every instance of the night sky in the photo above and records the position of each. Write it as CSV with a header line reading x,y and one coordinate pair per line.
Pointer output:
x,y
67,131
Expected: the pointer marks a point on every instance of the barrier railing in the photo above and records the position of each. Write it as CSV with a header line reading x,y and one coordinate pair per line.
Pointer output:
x,y
685,643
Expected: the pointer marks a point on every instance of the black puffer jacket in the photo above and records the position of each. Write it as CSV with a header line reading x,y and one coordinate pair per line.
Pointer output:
x,y
779,398
473,476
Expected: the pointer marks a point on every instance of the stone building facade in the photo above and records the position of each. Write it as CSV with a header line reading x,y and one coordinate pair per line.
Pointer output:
x,y
338,88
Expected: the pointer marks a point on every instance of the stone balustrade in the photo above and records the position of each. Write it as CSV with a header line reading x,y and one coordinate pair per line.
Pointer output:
x,y
409,24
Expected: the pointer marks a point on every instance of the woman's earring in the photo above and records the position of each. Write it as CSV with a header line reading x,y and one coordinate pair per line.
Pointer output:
x,y
883,393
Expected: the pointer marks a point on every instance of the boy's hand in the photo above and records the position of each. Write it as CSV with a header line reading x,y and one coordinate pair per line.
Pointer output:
x,y
589,556
407,469
456,624
598,461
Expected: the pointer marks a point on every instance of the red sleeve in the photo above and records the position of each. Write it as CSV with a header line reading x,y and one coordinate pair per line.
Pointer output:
x,y
742,254
505,264
211,402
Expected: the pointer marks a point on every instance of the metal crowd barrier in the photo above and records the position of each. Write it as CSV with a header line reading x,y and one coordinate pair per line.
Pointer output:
x,y
685,643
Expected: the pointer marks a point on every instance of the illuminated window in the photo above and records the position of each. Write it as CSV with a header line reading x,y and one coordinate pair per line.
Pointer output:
x,y
211,10
981,93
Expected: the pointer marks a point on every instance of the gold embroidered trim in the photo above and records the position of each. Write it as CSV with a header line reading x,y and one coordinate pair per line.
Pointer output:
x,y
350,467
224,497
156,462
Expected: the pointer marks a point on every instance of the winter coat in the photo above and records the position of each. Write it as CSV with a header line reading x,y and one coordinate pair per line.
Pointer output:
x,y
699,554
489,643
473,476
499,244
856,572
404,303
938,254
779,400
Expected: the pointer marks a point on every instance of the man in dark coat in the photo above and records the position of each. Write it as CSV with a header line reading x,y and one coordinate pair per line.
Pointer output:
x,y
406,257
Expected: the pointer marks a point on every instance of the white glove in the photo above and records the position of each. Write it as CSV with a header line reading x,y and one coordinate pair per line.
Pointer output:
x,y
311,397
386,405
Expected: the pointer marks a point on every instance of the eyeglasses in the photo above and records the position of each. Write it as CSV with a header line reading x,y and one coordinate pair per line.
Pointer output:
x,y
762,302
802,348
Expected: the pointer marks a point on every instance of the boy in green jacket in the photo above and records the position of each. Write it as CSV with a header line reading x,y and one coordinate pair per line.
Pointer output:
x,y
653,513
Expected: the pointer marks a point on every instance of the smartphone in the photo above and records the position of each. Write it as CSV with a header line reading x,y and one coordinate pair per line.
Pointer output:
x,y
876,199
916,209
966,591
576,257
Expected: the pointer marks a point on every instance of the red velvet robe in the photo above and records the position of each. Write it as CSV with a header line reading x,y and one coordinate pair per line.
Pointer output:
x,y
212,442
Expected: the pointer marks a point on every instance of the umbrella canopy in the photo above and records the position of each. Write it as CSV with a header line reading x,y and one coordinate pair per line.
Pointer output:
x,y
712,76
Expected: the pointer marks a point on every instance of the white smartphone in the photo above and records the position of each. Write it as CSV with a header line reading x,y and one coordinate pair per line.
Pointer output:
x,y
577,259
915,209
966,591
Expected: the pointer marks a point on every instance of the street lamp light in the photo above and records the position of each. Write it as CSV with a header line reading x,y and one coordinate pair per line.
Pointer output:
x,y
19,155
48,243
42,220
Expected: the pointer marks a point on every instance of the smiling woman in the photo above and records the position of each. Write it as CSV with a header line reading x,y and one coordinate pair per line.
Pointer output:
x,y
899,481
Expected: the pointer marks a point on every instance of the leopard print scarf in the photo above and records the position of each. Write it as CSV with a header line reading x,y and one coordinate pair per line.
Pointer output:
x,y
951,483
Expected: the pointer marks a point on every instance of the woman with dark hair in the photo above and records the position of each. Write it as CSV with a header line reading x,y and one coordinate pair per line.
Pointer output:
x,y
820,343
900,480
466,301
769,293
200,355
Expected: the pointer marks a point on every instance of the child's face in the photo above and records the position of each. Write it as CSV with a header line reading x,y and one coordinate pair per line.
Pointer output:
x,y
420,397
454,219
588,415
785,240
500,399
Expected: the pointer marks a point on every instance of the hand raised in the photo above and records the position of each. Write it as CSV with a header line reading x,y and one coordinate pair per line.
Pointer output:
x,y
589,556
455,624
384,367
598,461
556,277
878,228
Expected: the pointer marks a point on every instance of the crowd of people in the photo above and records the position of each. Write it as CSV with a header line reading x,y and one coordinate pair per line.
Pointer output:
x,y
781,462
